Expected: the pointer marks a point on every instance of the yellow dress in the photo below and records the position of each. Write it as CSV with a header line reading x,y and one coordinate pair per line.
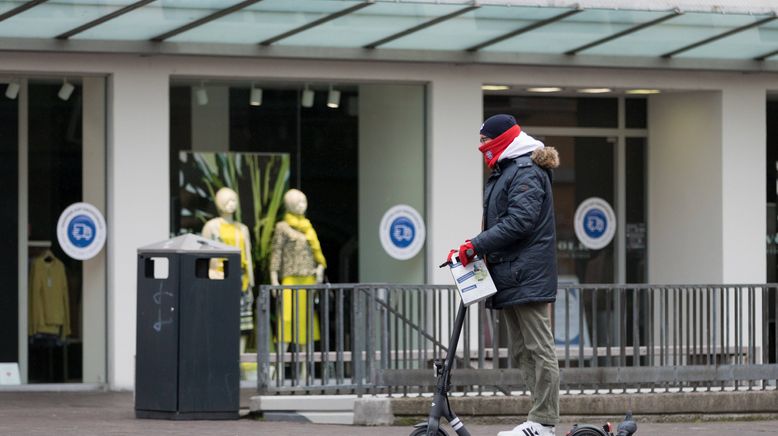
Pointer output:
x,y
231,234
285,323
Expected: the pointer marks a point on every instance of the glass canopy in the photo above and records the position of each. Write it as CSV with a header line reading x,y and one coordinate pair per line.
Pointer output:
x,y
439,29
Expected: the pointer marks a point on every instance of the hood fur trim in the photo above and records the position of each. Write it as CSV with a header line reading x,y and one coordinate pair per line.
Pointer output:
x,y
546,157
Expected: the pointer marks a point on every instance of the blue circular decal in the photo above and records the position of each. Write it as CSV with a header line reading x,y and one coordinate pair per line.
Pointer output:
x,y
81,231
402,232
595,223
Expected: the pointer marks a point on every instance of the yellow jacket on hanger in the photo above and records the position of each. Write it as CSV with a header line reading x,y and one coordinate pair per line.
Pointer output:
x,y
49,306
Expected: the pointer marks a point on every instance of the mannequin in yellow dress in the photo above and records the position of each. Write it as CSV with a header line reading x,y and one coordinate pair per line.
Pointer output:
x,y
225,229
296,258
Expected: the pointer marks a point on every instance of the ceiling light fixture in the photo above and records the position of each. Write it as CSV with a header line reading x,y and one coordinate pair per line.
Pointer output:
x,y
495,87
306,100
643,91
201,94
66,90
256,96
333,98
595,90
545,89
12,91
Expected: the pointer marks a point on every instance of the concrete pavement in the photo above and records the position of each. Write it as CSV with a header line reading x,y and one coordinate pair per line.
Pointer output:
x,y
111,413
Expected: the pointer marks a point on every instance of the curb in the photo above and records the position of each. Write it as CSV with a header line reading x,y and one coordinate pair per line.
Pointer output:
x,y
656,408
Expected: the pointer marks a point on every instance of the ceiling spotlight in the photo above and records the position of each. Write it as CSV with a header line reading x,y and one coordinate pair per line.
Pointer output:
x,y
643,91
307,98
495,87
202,95
333,98
66,90
545,89
594,90
256,96
12,90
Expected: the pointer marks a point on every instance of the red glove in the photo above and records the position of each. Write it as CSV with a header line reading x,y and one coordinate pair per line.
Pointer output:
x,y
464,257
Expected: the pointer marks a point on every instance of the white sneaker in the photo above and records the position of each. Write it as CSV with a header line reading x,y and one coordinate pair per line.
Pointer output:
x,y
529,428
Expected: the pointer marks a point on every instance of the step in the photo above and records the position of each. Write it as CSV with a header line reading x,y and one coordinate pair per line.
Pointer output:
x,y
302,403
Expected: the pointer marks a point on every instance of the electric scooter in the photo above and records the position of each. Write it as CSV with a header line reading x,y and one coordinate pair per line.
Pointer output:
x,y
440,405
442,409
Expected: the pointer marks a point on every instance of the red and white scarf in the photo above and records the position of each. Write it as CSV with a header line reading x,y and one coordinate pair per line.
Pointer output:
x,y
510,144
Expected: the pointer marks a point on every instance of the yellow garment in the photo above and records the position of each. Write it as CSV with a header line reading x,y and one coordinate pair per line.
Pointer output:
x,y
231,234
303,225
301,309
48,303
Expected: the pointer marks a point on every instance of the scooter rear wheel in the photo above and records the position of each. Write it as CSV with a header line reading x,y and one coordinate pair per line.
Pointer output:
x,y
422,431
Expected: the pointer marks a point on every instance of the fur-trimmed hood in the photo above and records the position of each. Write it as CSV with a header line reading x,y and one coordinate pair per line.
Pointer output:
x,y
546,157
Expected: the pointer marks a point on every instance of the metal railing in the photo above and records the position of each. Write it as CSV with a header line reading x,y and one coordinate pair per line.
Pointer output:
x,y
370,339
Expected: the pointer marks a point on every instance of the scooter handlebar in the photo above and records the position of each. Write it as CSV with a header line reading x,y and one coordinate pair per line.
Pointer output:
x,y
469,253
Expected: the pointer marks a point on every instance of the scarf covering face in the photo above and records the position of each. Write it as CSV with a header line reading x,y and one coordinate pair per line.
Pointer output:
x,y
520,146
494,148
303,225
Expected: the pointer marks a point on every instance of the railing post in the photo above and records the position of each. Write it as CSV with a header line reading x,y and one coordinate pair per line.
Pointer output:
x,y
263,340
358,337
370,320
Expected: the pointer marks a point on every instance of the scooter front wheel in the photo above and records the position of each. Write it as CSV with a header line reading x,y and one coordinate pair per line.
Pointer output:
x,y
422,431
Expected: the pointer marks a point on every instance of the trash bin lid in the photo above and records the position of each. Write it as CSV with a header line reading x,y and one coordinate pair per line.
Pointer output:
x,y
189,243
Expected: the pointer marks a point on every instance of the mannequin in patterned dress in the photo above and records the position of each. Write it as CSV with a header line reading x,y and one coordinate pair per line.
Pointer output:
x,y
296,259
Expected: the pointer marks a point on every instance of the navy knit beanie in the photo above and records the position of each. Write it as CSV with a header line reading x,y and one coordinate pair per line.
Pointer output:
x,y
496,125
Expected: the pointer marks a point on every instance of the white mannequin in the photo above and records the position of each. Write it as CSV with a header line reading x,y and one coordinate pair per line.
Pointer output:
x,y
297,203
226,204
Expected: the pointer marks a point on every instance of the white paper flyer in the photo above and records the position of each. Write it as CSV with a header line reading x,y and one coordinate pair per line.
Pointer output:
x,y
473,281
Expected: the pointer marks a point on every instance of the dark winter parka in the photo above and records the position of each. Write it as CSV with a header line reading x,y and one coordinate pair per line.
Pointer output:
x,y
519,237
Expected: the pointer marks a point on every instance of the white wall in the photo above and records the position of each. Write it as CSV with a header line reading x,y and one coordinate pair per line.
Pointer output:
x,y
684,188
706,182
454,168
138,201
391,172
744,206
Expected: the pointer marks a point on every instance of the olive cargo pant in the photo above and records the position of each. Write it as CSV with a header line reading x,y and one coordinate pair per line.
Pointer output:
x,y
529,332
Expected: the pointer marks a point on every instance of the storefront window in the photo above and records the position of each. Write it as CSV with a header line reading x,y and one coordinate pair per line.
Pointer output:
x,y
591,156
636,232
555,112
353,150
772,191
55,182
9,219
585,171
52,307
316,146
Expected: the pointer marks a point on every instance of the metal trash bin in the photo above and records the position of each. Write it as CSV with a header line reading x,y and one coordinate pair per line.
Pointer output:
x,y
188,331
